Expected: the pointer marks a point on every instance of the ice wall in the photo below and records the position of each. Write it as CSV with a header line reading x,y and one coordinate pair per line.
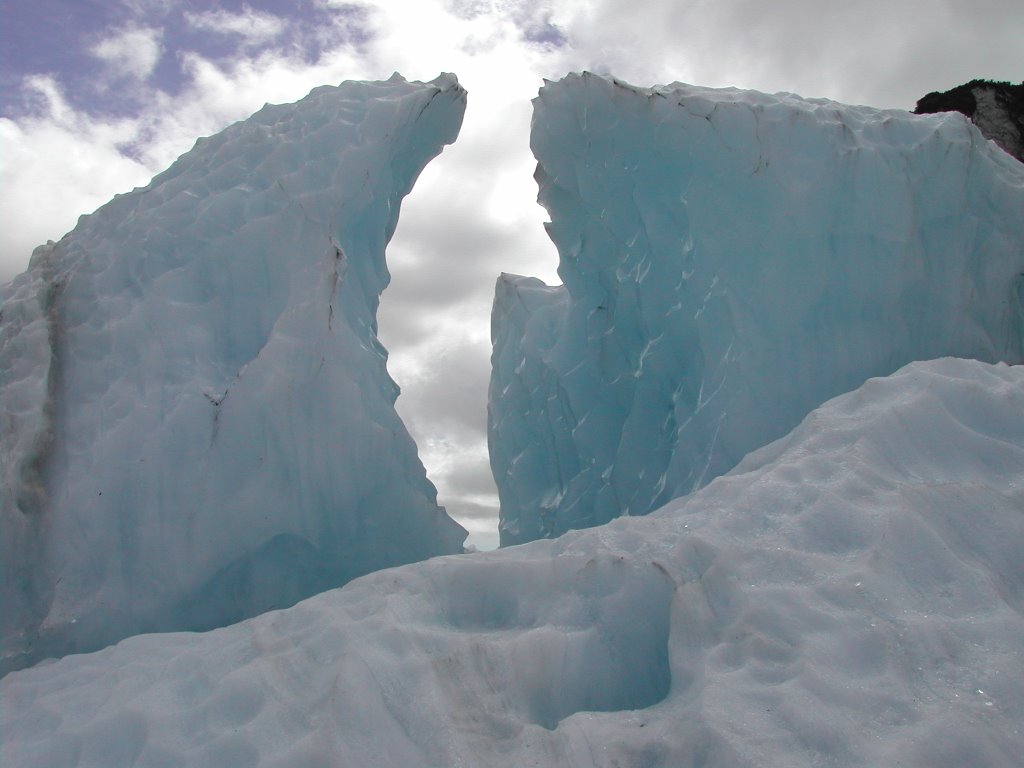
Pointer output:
x,y
850,596
197,416
730,261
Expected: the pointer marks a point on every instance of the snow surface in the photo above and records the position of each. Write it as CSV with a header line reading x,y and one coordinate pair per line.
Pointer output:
x,y
851,595
198,424
731,260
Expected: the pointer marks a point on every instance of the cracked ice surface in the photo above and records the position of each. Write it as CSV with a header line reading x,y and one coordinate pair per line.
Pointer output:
x,y
851,595
730,261
198,420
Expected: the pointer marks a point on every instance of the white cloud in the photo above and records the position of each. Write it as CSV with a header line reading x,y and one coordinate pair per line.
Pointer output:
x,y
131,52
149,8
55,167
255,27
338,5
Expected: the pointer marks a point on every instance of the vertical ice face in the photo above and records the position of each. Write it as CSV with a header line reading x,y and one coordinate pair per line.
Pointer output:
x,y
198,423
730,261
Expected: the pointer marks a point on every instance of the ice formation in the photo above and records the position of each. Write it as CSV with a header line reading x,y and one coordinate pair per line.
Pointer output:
x,y
198,420
850,595
730,261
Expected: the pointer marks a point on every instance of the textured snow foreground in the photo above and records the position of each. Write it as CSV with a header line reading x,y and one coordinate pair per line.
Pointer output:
x,y
198,421
731,261
851,595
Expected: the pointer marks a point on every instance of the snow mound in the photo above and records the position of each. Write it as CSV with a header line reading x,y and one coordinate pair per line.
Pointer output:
x,y
850,595
198,423
731,260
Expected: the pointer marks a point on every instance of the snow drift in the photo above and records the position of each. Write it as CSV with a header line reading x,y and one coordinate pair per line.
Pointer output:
x,y
197,417
850,595
730,261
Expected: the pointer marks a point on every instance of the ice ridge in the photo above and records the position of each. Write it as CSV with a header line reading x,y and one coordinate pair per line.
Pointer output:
x,y
198,423
730,261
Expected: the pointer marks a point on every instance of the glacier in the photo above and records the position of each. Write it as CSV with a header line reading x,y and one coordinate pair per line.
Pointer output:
x,y
198,423
730,261
850,595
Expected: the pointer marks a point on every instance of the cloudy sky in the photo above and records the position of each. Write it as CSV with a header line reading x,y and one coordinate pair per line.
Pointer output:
x,y
98,95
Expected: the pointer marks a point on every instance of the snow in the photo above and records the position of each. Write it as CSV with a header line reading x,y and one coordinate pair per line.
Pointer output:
x,y
849,595
198,420
731,260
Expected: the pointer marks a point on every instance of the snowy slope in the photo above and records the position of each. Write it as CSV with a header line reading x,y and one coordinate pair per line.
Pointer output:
x,y
198,421
731,260
851,595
